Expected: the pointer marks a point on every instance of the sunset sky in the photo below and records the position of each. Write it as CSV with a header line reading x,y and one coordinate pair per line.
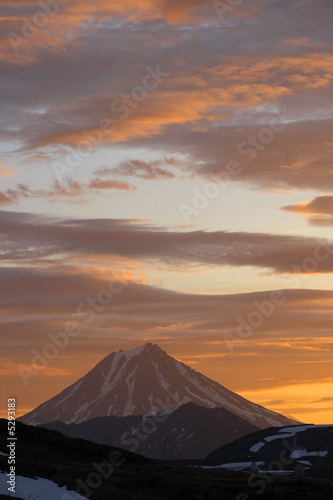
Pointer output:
x,y
167,176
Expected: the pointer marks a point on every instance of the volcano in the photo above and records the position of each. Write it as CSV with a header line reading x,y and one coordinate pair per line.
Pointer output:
x,y
145,381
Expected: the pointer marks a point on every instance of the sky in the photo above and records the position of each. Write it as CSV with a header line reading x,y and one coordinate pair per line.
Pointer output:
x,y
166,176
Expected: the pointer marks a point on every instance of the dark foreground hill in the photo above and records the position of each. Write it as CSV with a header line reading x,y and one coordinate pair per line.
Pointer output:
x,y
48,454
193,431
282,447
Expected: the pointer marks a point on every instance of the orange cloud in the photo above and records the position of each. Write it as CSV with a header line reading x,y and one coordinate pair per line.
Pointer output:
x,y
110,184
306,70
163,108
319,210
4,171
50,371
175,11
299,400
9,368
182,98
53,29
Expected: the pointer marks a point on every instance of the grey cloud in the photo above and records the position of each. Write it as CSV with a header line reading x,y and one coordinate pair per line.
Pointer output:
x,y
138,241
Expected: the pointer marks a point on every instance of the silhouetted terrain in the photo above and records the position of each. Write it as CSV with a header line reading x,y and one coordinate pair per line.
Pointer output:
x,y
48,454
193,431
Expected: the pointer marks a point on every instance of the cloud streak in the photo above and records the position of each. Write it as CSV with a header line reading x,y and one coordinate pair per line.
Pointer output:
x,y
4,172
144,309
319,211
111,238
68,188
142,169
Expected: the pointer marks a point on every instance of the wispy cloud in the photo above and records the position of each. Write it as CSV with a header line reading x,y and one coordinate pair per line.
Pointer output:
x,y
319,211
69,189
109,238
138,168
5,172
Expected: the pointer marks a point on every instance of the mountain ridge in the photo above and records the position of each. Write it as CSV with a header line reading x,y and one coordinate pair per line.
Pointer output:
x,y
193,431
